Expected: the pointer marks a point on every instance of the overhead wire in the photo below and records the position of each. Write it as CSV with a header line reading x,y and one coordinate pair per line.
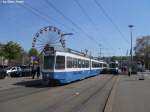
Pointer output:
x,y
69,20
88,17
45,17
101,8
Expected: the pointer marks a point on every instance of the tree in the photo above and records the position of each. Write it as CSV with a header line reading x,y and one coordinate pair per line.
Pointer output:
x,y
33,52
142,50
12,51
1,49
25,58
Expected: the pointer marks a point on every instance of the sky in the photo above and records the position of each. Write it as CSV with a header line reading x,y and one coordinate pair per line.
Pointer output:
x,y
19,22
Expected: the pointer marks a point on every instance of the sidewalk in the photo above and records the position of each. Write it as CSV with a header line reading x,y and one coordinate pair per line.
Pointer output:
x,y
132,95
9,82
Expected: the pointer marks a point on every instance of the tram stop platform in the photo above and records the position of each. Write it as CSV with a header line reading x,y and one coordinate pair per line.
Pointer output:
x,y
132,94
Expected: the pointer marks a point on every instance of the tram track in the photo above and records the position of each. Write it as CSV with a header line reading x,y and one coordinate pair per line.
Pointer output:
x,y
18,92
75,97
80,107
76,105
72,89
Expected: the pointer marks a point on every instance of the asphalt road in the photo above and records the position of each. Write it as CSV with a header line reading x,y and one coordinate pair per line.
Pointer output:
x,y
89,95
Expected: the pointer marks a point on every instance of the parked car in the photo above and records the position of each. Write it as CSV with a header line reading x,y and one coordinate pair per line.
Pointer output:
x,y
14,71
26,71
2,72
19,71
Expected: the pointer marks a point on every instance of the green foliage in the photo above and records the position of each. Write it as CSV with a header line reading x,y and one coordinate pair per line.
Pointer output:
x,y
1,50
33,52
142,50
12,50
119,58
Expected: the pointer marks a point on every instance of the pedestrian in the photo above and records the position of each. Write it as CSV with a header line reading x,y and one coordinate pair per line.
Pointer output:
x,y
33,71
38,71
129,72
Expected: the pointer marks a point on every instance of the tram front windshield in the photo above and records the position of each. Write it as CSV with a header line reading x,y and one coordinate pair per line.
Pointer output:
x,y
113,65
49,62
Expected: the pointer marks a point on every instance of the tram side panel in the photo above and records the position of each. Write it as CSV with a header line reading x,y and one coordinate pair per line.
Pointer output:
x,y
66,67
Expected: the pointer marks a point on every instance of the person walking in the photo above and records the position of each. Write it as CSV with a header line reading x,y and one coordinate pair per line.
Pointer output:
x,y
33,71
129,72
38,71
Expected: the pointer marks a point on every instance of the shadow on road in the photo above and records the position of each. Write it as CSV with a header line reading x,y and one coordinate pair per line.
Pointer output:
x,y
35,83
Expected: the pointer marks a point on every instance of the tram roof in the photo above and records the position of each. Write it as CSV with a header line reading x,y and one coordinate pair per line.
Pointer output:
x,y
68,50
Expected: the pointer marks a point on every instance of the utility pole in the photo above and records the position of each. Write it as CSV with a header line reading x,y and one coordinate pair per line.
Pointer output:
x,y
131,55
121,58
100,50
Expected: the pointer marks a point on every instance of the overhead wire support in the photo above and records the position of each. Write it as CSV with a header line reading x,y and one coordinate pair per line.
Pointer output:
x,y
110,19
69,20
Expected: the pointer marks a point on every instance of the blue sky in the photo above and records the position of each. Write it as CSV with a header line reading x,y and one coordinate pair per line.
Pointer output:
x,y
20,24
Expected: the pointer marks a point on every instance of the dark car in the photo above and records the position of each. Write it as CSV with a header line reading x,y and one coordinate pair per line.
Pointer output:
x,y
21,71
26,71
2,72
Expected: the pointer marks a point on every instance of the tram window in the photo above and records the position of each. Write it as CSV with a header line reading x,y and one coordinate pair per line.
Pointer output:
x,y
48,62
92,64
104,65
87,63
101,65
75,63
113,65
83,63
95,64
60,62
79,63
69,62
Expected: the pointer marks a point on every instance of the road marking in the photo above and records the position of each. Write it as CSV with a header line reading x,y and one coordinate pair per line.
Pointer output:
x,y
109,103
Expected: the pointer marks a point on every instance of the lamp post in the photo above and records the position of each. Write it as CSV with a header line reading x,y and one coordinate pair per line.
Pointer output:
x,y
62,40
131,56
121,58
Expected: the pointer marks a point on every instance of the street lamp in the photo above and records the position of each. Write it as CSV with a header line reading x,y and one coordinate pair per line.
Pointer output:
x,y
131,56
121,58
62,40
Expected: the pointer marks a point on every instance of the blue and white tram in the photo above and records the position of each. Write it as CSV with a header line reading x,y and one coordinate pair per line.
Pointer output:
x,y
66,66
